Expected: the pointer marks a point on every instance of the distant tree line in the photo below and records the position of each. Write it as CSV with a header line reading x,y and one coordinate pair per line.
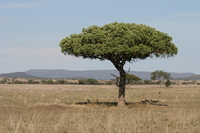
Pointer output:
x,y
131,80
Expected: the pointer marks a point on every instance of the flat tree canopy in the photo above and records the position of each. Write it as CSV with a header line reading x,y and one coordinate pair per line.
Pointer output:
x,y
160,75
119,43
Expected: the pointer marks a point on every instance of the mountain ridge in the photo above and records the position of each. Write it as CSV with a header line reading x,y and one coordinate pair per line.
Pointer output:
x,y
96,74
82,74
192,77
17,75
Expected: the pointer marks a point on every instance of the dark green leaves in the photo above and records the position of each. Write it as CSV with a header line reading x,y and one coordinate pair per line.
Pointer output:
x,y
119,41
158,75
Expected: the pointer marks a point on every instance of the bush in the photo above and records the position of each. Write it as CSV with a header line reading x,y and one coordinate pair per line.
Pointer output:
x,y
92,81
149,82
82,81
31,81
168,83
50,81
61,82
109,82
43,82
88,81
18,82
2,82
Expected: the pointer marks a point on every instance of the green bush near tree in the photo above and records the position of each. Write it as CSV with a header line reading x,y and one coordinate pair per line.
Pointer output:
x,y
168,83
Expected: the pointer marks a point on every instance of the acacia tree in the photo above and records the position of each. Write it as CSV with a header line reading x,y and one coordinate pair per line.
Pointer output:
x,y
160,76
119,43
130,78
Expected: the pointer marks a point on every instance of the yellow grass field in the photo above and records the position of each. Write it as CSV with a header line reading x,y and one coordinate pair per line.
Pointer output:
x,y
51,109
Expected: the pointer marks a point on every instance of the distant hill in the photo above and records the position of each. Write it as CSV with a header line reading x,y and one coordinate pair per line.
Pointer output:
x,y
193,77
59,73
96,74
17,75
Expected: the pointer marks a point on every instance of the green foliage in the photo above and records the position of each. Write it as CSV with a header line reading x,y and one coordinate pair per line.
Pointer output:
x,y
44,82
50,81
119,41
168,83
4,81
61,81
130,78
188,82
18,82
109,82
149,82
160,75
82,81
31,81
88,81
92,81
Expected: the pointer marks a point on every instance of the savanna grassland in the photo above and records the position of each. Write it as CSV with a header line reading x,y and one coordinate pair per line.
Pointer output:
x,y
52,109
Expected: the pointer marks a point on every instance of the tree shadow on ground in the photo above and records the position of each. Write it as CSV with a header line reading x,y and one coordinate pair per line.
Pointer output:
x,y
113,104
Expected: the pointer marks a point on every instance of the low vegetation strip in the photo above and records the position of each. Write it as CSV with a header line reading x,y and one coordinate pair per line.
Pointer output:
x,y
91,81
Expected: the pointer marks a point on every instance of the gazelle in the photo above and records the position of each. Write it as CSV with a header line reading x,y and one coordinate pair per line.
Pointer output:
x,y
88,100
43,96
25,101
57,101
20,96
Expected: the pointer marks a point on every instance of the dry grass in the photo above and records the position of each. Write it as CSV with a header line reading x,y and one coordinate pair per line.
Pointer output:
x,y
51,108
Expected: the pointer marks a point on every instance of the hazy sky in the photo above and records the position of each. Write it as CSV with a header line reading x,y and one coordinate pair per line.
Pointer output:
x,y
30,32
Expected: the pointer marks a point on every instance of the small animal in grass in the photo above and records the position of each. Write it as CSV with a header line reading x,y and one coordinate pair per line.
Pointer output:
x,y
97,100
57,101
20,96
25,101
163,100
88,100
43,96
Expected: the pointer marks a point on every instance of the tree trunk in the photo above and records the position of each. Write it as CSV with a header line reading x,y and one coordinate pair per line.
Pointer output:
x,y
119,65
122,87
161,82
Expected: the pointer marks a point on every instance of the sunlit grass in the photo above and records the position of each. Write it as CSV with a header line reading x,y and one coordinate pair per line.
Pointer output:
x,y
41,114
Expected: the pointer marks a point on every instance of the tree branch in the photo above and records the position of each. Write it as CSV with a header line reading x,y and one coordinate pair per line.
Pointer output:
x,y
117,83
128,70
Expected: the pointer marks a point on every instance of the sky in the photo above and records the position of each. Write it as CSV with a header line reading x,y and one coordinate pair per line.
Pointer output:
x,y
31,30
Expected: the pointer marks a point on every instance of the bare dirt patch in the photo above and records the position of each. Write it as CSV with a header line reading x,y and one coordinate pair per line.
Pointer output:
x,y
55,106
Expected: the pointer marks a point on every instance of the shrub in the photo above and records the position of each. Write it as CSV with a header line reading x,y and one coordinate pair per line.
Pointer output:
x,y
168,83
82,81
92,81
50,81
109,82
18,82
61,82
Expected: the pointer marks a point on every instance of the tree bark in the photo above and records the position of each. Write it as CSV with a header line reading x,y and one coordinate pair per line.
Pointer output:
x,y
122,87
119,65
